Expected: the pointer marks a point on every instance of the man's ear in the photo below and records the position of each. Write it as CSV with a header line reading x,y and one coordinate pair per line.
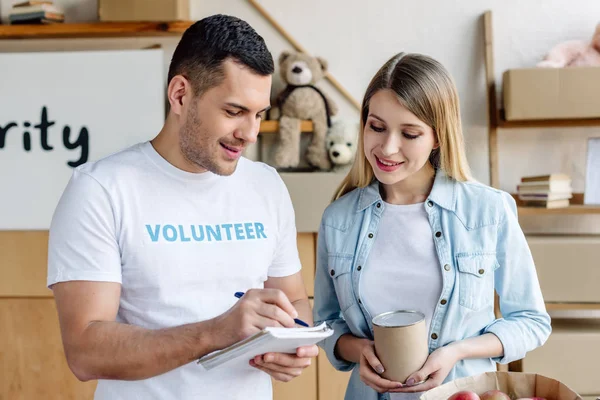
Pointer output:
x,y
178,89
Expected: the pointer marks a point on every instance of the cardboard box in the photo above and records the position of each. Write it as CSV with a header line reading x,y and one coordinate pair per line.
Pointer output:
x,y
143,10
567,267
551,93
571,354
515,384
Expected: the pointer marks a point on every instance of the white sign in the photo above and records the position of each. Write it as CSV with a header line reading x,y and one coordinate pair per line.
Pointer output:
x,y
59,110
592,175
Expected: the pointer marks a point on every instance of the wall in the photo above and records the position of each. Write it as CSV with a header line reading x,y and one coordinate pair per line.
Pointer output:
x,y
357,37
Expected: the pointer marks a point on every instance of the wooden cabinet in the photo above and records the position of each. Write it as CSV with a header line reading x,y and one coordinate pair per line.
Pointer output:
x,y
307,251
31,354
303,387
32,362
332,383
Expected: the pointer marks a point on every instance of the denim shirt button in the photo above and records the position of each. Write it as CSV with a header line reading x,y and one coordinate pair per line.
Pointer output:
x,y
332,272
481,271
430,203
359,268
438,234
378,205
447,267
443,302
434,336
370,236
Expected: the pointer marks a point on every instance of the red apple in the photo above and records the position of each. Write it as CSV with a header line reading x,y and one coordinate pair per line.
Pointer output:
x,y
464,395
494,395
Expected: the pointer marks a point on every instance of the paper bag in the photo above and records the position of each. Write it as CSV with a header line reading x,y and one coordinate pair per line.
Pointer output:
x,y
515,384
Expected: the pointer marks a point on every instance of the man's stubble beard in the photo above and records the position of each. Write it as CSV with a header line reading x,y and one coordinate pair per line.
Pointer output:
x,y
196,148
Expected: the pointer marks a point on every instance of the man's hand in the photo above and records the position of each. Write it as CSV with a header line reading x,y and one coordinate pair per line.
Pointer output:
x,y
285,367
256,310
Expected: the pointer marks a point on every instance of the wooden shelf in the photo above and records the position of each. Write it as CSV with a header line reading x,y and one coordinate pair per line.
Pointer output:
x,y
547,123
573,209
576,207
572,306
273,126
94,30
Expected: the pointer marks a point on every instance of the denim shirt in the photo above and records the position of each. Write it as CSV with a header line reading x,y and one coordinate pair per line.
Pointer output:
x,y
480,247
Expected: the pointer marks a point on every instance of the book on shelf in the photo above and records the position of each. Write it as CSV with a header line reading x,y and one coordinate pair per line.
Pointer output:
x,y
545,196
547,203
549,191
549,177
30,3
545,187
35,17
36,12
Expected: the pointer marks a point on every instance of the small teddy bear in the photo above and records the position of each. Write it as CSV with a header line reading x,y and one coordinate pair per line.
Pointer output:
x,y
574,53
341,143
302,100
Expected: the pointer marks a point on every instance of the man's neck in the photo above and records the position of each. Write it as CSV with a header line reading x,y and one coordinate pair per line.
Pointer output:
x,y
166,143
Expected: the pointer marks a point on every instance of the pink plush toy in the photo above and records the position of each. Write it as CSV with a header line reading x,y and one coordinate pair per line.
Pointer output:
x,y
574,53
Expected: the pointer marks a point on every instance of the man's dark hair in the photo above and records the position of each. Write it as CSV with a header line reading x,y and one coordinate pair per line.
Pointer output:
x,y
207,43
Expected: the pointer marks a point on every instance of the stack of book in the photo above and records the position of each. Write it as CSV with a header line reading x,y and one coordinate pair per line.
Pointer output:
x,y
36,12
549,191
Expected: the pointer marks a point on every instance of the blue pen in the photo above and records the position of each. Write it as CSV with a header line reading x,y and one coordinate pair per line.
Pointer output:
x,y
296,320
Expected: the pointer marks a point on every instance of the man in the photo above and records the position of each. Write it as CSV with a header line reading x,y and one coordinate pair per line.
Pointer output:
x,y
149,245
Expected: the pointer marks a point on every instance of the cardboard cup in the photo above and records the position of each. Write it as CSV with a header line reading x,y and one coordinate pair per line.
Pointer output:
x,y
400,343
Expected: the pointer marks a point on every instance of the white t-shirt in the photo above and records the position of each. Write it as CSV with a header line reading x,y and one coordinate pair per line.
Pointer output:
x,y
181,244
403,270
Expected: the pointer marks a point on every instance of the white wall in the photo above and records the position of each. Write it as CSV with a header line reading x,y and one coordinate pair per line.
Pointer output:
x,y
357,36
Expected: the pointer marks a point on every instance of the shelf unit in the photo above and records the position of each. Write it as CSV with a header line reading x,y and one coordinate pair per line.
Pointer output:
x,y
100,30
497,122
94,30
273,126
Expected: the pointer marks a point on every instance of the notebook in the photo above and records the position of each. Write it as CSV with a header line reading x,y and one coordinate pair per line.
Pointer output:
x,y
269,340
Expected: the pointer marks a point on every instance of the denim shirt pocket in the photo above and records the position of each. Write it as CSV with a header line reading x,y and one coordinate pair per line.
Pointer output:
x,y
340,268
476,279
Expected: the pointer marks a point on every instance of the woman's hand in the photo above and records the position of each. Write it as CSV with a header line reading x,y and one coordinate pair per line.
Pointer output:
x,y
437,367
371,368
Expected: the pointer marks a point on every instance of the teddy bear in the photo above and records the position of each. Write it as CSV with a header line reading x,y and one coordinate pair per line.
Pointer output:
x,y
574,53
341,143
302,100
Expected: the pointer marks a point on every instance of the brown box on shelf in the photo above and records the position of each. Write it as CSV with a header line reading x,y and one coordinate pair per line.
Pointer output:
x,y
570,355
551,93
143,10
567,267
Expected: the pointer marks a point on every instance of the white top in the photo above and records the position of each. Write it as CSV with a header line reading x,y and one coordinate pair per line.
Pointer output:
x,y
403,270
181,244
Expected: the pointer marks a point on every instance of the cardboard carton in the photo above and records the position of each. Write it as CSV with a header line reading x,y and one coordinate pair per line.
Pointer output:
x,y
515,384
143,10
551,93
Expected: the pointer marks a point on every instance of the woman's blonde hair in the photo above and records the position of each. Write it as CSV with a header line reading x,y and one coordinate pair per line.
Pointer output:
x,y
427,90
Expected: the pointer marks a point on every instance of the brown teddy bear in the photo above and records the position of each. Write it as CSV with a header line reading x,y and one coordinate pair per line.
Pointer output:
x,y
302,100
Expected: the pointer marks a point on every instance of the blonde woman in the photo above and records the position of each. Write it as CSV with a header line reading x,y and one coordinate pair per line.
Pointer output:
x,y
409,229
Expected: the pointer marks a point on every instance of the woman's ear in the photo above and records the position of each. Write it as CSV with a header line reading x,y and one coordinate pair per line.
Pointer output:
x,y
437,141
